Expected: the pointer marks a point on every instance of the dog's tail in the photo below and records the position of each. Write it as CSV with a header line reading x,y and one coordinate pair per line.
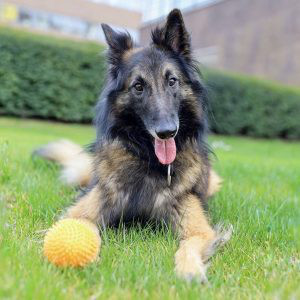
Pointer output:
x,y
76,163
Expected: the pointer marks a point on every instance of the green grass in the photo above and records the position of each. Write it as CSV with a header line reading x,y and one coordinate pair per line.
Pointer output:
x,y
260,197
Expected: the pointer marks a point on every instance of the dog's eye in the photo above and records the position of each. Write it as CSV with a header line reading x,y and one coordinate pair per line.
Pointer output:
x,y
172,81
138,87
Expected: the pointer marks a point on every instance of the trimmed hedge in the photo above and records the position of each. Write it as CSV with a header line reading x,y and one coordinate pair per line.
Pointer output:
x,y
242,105
46,77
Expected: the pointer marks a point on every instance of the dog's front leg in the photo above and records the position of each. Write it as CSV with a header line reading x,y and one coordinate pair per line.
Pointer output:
x,y
198,240
88,208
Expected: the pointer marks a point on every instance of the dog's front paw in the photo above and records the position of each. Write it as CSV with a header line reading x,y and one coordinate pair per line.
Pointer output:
x,y
189,265
223,235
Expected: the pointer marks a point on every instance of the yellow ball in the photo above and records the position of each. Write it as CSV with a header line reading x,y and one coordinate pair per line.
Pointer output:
x,y
72,242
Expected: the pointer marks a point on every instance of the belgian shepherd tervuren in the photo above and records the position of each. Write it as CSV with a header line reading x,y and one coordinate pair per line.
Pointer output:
x,y
150,160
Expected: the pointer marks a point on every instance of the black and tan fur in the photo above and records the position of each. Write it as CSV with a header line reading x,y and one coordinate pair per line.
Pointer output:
x,y
124,177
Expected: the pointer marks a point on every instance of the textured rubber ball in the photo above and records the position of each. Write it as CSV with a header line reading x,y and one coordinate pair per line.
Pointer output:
x,y
72,243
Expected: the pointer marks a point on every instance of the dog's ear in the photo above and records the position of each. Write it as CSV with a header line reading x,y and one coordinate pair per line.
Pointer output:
x,y
173,36
118,42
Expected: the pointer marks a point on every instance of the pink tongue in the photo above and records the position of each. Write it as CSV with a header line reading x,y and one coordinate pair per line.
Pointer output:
x,y
165,150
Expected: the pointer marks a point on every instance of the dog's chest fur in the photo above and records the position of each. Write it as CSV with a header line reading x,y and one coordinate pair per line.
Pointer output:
x,y
130,189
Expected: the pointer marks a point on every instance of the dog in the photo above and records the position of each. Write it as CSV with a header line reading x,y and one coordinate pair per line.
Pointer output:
x,y
150,160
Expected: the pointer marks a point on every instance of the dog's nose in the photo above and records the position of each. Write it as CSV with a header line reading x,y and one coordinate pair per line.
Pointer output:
x,y
166,133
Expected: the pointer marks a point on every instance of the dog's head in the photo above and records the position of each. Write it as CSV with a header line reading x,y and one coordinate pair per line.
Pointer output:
x,y
154,91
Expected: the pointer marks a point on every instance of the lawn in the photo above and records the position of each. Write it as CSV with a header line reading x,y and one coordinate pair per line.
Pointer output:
x,y
260,197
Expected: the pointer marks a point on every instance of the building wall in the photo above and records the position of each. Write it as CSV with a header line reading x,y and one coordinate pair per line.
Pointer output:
x,y
77,17
257,37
